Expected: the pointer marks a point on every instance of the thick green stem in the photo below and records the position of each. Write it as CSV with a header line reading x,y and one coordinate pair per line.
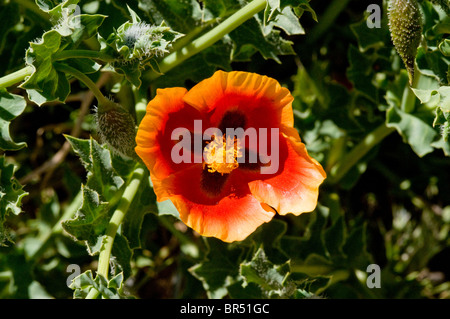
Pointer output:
x,y
141,101
15,77
77,54
114,223
409,98
21,74
83,78
327,19
176,58
372,139
348,161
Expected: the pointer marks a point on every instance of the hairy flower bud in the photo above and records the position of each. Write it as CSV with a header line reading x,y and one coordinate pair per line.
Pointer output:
x,y
116,128
405,24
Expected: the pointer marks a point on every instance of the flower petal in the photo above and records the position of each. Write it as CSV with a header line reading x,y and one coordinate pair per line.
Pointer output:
x,y
263,101
295,190
165,113
230,215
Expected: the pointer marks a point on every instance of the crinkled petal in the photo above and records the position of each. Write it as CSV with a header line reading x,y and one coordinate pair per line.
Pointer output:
x,y
295,188
165,112
263,101
229,215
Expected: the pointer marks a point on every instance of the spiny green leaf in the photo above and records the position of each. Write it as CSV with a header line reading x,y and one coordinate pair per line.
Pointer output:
x,y
45,84
360,73
167,208
180,16
371,38
251,35
442,120
269,236
90,222
288,22
200,66
355,247
219,269
433,63
335,236
122,254
143,203
435,97
312,242
300,7
101,175
417,133
11,195
275,8
444,47
82,27
444,4
82,148
11,106
285,14
273,279
54,7
111,289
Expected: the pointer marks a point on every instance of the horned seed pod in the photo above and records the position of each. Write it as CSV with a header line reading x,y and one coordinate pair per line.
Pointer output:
x,y
405,25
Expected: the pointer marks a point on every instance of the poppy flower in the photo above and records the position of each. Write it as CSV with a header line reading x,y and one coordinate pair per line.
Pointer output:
x,y
224,185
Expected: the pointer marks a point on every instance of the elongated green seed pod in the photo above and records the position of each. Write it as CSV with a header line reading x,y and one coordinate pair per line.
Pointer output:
x,y
405,25
116,128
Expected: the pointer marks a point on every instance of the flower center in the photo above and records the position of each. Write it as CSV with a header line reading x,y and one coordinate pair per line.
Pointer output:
x,y
221,155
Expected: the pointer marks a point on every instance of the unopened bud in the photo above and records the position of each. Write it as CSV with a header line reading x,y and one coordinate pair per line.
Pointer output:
x,y
116,128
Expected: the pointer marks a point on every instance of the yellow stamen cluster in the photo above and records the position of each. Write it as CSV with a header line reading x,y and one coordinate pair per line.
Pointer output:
x,y
220,158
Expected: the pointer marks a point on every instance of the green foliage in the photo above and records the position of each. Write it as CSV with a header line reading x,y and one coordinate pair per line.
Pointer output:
x,y
109,289
11,195
74,201
11,106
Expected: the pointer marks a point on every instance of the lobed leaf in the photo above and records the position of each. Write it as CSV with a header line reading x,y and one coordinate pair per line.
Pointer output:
x,y
273,279
90,222
11,106
97,159
219,269
417,133
112,289
11,195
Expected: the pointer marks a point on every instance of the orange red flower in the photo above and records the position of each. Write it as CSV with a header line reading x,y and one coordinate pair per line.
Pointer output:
x,y
221,190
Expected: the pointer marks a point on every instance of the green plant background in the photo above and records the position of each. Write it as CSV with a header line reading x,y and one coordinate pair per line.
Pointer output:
x,y
384,146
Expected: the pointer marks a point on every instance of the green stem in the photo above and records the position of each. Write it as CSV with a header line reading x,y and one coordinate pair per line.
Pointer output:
x,y
327,19
409,98
114,223
209,38
15,77
372,139
6,275
348,161
141,101
83,78
91,54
